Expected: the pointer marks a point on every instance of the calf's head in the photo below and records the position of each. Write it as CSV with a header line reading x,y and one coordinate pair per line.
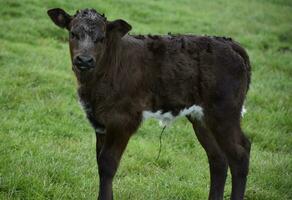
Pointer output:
x,y
90,35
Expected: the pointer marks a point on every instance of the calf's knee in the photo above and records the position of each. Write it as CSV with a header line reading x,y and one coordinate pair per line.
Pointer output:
x,y
107,166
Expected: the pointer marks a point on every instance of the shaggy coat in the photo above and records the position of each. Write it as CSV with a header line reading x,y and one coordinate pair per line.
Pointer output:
x,y
167,73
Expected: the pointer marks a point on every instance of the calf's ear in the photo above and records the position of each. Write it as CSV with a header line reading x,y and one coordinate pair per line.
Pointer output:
x,y
119,26
60,17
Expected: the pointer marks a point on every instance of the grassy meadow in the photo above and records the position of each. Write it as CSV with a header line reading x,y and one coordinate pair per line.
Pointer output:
x,y
47,147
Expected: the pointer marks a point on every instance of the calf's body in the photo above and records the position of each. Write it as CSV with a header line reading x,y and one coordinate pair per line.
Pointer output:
x,y
136,77
167,74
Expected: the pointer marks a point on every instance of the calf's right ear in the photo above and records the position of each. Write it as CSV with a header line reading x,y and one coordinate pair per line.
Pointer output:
x,y
60,17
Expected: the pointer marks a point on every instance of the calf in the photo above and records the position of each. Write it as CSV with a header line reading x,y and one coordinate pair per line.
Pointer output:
x,y
124,79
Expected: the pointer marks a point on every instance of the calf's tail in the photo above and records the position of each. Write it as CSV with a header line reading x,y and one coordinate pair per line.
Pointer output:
x,y
238,49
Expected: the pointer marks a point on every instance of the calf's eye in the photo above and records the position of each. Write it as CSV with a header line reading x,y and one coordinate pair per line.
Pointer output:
x,y
73,35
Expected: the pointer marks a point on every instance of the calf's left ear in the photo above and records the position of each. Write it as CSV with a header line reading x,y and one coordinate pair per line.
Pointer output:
x,y
119,26
60,17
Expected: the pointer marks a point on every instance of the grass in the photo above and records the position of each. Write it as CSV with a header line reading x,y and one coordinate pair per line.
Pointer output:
x,y
47,148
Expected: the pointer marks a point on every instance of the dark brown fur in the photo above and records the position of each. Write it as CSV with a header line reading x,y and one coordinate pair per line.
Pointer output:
x,y
169,73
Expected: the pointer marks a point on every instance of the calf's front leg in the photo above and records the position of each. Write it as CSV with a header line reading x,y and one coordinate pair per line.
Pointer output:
x,y
99,144
108,161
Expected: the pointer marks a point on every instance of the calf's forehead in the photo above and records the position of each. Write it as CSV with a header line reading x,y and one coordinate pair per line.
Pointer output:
x,y
88,19
87,25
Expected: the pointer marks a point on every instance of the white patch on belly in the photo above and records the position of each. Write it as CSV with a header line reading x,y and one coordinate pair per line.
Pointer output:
x,y
167,117
243,111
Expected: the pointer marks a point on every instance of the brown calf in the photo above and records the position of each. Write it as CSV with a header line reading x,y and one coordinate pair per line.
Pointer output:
x,y
124,79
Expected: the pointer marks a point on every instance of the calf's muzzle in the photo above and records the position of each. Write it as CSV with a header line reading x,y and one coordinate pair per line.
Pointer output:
x,y
83,62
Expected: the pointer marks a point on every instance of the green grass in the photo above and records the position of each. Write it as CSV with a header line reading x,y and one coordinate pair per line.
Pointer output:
x,y
47,148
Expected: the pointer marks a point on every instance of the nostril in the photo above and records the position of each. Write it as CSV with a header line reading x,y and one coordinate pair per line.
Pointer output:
x,y
79,59
89,60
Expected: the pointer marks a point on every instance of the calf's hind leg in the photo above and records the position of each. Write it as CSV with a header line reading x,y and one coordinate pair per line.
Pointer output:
x,y
236,147
217,162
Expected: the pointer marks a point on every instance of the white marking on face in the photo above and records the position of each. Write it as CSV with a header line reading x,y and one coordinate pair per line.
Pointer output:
x,y
167,117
